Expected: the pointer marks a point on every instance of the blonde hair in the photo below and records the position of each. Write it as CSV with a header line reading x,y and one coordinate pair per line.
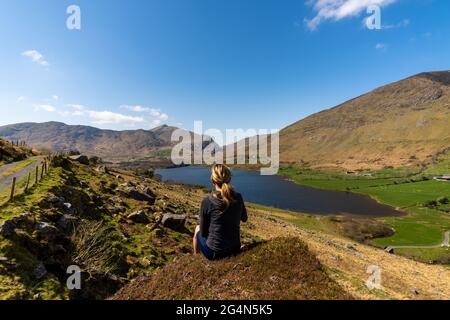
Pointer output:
x,y
221,176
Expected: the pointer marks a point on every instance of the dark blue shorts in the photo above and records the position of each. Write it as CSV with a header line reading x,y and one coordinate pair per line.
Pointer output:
x,y
211,254
207,252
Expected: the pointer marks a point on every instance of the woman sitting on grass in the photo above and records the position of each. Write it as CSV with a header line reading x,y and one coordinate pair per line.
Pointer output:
x,y
221,213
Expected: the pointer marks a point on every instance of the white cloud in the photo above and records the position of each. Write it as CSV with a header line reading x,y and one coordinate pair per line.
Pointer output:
x,y
44,107
101,117
380,46
21,98
108,117
36,56
135,108
156,114
55,97
336,10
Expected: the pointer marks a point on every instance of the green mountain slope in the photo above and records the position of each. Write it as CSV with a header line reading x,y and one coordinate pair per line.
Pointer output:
x,y
400,124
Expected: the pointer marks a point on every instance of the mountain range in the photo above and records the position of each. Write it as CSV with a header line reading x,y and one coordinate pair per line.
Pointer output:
x,y
400,124
107,144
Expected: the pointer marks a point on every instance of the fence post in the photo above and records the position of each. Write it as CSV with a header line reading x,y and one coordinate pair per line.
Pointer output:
x,y
37,173
13,187
28,182
42,171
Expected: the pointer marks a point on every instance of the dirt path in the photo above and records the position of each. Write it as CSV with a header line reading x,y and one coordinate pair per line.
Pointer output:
x,y
5,181
445,243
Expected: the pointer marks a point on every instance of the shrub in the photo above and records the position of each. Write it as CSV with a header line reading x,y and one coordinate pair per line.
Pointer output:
x,y
443,200
431,204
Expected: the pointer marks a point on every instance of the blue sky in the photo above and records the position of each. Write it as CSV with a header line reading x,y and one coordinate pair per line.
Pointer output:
x,y
231,63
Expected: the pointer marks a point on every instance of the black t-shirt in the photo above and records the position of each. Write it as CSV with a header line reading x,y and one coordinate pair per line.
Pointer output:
x,y
221,226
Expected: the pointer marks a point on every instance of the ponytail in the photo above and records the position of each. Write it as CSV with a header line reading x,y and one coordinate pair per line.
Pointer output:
x,y
221,176
227,193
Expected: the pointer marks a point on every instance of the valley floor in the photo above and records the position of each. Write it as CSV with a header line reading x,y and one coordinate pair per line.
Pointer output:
x,y
416,192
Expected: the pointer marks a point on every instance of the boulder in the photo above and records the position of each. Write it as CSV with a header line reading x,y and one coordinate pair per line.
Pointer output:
x,y
414,291
138,217
173,221
69,208
149,192
55,200
95,160
81,159
26,218
46,231
102,169
7,228
40,271
117,201
132,193
158,233
67,222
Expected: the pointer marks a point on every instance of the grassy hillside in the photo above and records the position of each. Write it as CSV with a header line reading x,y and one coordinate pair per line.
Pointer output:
x,y
9,152
289,270
401,124
112,224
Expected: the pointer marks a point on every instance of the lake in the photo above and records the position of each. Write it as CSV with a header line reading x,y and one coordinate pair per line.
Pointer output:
x,y
279,192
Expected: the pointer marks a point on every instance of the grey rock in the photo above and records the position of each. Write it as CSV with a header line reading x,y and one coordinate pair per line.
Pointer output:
x,y
350,247
59,248
46,231
24,218
149,192
103,169
7,228
67,222
138,217
131,192
81,159
55,200
173,221
113,209
117,201
158,233
95,160
40,271
414,291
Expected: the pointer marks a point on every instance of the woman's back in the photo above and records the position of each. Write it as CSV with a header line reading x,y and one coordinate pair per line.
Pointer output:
x,y
220,224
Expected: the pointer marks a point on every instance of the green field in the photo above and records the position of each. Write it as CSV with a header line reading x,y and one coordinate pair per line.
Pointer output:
x,y
406,189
